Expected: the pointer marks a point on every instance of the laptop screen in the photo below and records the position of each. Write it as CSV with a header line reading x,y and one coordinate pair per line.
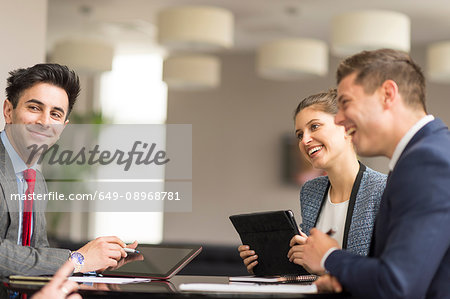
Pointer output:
x,y
155,261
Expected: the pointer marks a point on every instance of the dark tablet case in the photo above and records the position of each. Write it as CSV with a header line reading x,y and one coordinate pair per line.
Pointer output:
x,y
269,234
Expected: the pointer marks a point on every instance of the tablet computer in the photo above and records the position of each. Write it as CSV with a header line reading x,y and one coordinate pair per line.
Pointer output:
x,y
269,235
156,261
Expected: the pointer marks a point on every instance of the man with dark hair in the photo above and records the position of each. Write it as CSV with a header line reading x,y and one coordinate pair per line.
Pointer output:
x,y
54,74
39,100
381,96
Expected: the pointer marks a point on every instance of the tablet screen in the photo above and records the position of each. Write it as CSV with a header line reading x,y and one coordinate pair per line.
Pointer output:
x,y
156,261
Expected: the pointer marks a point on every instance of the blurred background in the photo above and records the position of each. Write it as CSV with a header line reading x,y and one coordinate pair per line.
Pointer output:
x,y
233,69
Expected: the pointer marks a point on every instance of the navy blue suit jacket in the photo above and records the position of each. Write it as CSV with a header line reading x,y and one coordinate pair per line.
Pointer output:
x,y
410,255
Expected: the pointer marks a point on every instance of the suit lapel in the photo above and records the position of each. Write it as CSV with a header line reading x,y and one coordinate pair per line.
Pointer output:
x,y
8,181
380,229
351,204
426,130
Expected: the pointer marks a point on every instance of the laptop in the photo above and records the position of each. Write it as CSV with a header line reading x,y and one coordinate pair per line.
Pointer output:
x,y
159,262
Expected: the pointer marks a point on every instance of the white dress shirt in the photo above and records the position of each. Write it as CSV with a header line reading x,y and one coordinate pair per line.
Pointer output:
x,y
333,216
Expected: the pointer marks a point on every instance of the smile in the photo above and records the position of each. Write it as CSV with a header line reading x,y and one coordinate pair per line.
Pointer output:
x,y
314,150
351,131
40,134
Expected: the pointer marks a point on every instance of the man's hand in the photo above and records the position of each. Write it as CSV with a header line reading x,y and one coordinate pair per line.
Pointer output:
x,y
132,245
130,258
310,254
102,253
328,284
59,286
249,257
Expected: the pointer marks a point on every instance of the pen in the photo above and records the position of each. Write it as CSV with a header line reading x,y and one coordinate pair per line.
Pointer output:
x,y
331,232
129,250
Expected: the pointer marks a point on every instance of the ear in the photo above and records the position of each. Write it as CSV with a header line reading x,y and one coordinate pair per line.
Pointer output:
x,y
389,93
64,126
7,111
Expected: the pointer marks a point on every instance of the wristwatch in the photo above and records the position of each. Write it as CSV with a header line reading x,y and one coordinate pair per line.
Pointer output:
x,y
77,260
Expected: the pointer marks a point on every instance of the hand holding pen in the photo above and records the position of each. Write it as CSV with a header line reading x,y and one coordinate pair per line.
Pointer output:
x,y
302,237
310,252
299,240
131,250
330,232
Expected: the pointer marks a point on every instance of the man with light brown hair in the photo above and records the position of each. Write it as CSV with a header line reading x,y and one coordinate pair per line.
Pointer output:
x,y
381,96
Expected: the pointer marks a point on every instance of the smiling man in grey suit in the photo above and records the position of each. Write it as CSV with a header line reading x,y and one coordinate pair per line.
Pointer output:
x,y
39,101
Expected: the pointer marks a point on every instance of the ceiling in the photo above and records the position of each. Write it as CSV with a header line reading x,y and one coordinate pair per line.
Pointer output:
x,y
130,24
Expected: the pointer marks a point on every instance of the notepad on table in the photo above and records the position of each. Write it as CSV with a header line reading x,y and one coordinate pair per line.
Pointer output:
x,y
274,279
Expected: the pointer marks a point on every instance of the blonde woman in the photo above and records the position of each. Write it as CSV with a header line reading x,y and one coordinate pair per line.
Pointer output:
x,y
347,199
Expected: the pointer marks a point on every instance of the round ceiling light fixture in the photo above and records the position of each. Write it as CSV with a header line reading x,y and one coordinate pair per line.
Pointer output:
x,y
292,59
195,28
368,30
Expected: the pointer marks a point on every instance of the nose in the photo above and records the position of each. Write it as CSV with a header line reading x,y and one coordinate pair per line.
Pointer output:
x,y
339,118
43,119
306,138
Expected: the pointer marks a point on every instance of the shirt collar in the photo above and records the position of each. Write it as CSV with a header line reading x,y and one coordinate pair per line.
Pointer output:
x,y
17,162
406,138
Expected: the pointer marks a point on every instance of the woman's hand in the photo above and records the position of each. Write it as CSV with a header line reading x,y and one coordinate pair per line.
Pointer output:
x,y
249,257
297,243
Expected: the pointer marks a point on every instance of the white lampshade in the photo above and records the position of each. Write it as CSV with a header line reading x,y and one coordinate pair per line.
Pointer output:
x,y
84,55
370,30
438,62
195,27
291,59
192,72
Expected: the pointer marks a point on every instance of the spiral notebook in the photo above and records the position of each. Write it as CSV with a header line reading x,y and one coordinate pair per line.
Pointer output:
x,y
307,278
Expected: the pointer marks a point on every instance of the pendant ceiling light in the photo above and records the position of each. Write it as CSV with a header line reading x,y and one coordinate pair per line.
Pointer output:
x,y
191,72
369,30
438,62
84,55
291,59
195,28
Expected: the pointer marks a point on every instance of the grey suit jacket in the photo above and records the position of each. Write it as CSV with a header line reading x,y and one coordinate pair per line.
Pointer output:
x,y
38,259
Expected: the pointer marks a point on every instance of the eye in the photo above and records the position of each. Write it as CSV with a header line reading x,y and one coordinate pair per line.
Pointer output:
x,y
314,127
33,107
343,103
300,136
56,115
